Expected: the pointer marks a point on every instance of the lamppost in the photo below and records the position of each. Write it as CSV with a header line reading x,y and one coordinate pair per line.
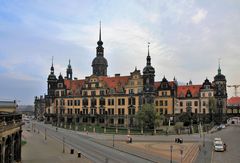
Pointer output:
x,y
45,134
203,139
171,149
113,140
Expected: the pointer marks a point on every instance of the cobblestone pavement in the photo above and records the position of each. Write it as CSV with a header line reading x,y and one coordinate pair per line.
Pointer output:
x,y
39,150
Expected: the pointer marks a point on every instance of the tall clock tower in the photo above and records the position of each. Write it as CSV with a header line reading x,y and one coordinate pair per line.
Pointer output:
x,y
220,94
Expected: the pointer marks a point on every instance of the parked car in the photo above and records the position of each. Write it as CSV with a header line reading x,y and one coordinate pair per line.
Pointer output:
x,y
219,146
222,126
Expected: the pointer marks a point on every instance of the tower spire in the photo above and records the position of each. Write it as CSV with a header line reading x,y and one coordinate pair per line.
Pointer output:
x,y
52,61
52,68
100,39
219,68
148,57
148,48
100,43
69,63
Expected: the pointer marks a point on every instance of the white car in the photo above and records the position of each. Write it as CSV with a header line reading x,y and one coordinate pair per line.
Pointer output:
x,y
218,146
222,126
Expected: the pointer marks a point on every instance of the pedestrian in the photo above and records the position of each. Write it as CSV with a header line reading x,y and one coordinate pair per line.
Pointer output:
x,y
225,146
128,138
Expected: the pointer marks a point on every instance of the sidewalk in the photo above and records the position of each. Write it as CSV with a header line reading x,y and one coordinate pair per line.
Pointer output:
x,y
39,150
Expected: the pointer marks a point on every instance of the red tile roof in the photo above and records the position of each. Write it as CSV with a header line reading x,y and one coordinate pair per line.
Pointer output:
x,y
234,101
111,82
114,82
194,89
74,85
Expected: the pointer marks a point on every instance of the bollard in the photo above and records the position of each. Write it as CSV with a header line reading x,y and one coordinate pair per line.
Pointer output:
x,y
72,151
79,155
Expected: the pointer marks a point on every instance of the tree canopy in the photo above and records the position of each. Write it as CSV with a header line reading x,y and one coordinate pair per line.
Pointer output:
x,y
148,117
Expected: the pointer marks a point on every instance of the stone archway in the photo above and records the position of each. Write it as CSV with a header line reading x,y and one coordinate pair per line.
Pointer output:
x,y
8,150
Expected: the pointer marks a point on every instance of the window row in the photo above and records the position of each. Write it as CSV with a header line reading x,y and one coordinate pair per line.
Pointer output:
x,y
109,111
161,103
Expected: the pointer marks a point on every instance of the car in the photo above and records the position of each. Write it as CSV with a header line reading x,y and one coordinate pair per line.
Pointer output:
x,y
222,126
219,146
178,140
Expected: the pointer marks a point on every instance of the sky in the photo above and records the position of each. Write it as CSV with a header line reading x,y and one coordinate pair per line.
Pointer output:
x,y
187,39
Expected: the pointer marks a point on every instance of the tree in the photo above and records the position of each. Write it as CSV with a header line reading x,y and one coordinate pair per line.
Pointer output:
x,y
148,117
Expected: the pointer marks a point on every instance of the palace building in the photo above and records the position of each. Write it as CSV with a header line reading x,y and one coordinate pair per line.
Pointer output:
x,y
115,100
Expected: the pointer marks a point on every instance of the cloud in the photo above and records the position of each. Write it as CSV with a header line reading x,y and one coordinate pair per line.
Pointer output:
x,y
32,32
199,16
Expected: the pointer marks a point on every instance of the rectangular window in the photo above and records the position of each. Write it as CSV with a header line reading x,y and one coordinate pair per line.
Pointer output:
x,y
204,103
110,101
161,103
189,103
121,101
84,93
111,111
62,93
195,103
181,103
93,93
131,91
166,111
166,103
101,92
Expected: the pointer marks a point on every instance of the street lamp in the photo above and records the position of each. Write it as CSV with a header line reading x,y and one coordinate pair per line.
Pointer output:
x,y
171,149
203,139
45,134
113,140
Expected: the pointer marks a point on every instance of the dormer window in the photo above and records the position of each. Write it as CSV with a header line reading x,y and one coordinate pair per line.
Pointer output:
x,y
60,85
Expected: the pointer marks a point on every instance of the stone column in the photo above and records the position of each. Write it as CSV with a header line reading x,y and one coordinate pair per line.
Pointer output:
x,y
19,147
12,148
3,149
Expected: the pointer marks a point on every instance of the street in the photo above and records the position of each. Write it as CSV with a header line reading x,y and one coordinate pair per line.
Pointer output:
x,y
90,149
230,136
98,148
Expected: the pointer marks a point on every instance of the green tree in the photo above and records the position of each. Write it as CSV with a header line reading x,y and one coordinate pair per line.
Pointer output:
x,y
148,117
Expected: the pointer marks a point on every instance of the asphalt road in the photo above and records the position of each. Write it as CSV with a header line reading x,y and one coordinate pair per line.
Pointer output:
x,y
230,136
92,150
